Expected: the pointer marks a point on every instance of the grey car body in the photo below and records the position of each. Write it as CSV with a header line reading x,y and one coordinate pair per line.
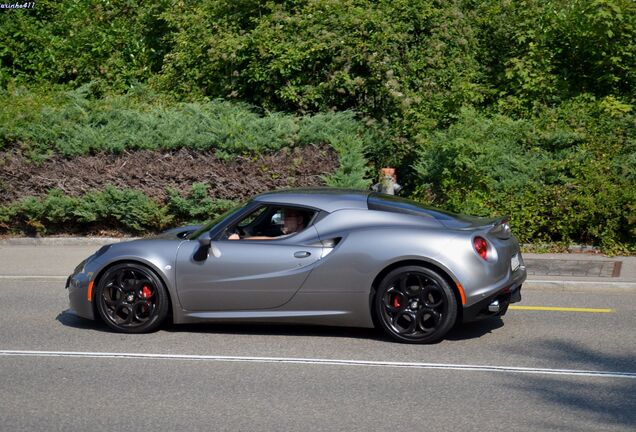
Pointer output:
x,y
328,273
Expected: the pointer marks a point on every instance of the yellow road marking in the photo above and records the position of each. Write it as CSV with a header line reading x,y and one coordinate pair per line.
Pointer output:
x,y
562,309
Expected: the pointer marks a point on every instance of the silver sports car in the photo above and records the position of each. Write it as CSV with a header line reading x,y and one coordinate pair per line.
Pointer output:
x,y
313,256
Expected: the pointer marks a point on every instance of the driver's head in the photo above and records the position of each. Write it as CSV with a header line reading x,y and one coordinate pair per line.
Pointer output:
x,y
293,220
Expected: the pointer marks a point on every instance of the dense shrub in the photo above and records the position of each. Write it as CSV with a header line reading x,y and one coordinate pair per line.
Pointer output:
x,y
410,61
544,52
128,210
197,206
121,209
75,123
567,175
119,42
349,138
484,107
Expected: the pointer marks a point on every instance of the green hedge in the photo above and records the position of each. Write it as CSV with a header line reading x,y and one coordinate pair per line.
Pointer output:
x,y
485,107
567,175
119,209
410,61
119,42
78,122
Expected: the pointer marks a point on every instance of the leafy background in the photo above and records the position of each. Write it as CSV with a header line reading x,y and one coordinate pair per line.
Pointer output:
x,y
486,107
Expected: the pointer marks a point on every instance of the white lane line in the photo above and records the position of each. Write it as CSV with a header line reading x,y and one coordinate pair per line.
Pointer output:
x,y
32,277
581,282
317,361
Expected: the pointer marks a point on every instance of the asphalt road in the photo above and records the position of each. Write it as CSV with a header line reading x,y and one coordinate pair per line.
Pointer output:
x,y
54,374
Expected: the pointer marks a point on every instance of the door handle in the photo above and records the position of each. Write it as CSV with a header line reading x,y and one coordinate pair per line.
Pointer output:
x,y
301,254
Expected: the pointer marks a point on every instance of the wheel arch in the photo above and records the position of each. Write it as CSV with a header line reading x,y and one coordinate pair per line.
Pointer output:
x,y
150,267
443,272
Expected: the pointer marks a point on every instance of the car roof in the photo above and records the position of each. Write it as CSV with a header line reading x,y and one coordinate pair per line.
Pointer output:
x,y
327,199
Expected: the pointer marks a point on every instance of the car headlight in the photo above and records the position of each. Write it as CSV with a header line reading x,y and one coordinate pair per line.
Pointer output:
x,y
80,267
101,251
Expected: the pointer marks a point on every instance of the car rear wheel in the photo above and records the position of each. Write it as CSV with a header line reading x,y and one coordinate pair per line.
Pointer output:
x,y
131,299
415,305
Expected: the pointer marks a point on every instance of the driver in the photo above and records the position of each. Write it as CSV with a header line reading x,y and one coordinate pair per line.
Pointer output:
x,y
293,221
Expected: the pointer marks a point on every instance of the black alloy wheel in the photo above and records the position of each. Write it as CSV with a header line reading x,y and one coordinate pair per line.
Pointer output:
x,y
415,305
131,299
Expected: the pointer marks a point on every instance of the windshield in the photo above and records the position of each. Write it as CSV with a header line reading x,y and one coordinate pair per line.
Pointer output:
x,y
211,224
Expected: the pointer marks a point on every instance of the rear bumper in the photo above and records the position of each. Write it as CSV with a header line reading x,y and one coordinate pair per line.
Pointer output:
x,y
480,309
506,293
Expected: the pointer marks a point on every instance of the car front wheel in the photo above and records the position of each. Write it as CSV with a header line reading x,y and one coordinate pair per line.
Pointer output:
x,y
131,298
415,305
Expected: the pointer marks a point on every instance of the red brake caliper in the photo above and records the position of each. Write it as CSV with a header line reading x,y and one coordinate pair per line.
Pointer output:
x,y
396,301
145,292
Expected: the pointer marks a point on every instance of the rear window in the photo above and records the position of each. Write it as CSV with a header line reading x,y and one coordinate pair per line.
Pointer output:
x,y
391,203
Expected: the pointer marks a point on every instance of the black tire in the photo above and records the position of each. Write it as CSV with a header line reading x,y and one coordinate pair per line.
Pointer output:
x,y
131,298
415,305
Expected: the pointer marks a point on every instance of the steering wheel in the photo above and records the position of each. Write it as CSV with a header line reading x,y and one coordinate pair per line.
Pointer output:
x,y
236,230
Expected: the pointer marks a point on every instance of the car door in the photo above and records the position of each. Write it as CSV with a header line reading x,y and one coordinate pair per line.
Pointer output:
x,y
245,275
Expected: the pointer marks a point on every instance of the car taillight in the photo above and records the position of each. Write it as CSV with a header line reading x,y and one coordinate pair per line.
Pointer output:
x,y
481,247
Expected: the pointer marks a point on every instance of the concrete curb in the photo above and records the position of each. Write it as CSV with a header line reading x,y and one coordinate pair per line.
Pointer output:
x,y
63,241
579,286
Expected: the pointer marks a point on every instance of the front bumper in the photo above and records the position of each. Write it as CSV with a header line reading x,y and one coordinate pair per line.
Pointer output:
x,y
77,285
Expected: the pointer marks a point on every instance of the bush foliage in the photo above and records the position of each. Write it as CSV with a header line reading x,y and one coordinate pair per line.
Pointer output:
x,y
197,207
544,52
567,175
75,123
410,60
519,107
121,209
119,42
129,210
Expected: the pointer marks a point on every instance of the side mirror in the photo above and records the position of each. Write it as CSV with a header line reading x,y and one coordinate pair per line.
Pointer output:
x,y
205,240
204,247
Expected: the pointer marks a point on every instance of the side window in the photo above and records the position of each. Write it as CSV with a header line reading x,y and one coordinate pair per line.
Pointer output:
x,y
252,217
271,222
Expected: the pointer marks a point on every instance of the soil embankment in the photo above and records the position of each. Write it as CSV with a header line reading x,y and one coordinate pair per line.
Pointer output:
x,y
153,172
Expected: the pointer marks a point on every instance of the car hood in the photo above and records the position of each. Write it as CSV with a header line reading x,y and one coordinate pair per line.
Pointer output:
x,y
177,233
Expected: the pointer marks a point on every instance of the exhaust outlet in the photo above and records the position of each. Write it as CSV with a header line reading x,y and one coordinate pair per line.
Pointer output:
x,y
494,306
